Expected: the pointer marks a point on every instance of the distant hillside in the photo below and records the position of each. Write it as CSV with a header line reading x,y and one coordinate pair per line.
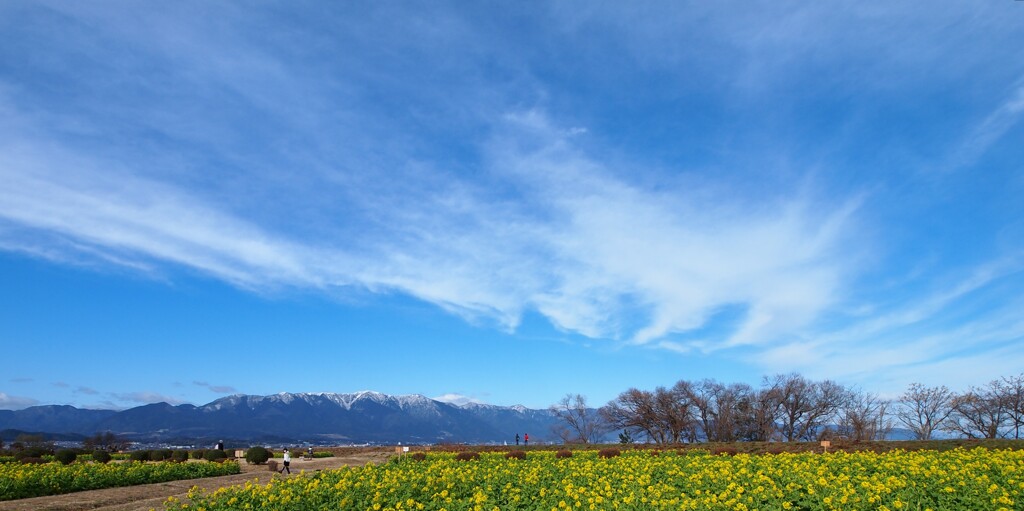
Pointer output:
x,y
363,417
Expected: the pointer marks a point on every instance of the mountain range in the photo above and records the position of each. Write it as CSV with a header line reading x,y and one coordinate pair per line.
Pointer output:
x,y
324,418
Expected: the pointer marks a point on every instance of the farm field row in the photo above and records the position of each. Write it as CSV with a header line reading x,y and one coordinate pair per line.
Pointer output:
x,y
975,479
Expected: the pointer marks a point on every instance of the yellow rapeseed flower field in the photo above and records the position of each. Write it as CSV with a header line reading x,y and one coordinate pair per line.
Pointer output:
x,y
976,479
19,481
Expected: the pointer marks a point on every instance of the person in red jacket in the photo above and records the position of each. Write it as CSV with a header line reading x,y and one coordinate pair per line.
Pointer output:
x,y
526,439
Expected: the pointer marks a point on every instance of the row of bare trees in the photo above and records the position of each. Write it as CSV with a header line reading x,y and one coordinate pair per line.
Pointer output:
x,y
792,407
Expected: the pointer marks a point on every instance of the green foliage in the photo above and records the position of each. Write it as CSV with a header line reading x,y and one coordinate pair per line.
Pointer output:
x,y
66,456
257,455
139,456
199,454
215,455
32,452
179,456
157,455
625,437
101,456
323,454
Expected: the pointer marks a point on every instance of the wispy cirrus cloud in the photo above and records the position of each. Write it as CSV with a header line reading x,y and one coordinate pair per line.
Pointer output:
x,y
555,245
145,397
219,389
990,129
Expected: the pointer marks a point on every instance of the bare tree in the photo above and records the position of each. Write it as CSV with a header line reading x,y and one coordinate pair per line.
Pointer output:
x,y
633,411
106,441
981,412
807,406
865,417
758,412
583,425
674,412
924,409
1013,396
716,408
663,416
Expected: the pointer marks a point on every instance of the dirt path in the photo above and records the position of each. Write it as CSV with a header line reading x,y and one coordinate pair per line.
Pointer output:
x,y
152,496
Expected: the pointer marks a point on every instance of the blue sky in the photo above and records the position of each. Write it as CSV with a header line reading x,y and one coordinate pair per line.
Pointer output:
x,y
506,202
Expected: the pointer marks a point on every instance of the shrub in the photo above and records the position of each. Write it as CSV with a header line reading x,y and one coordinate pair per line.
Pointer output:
x,y
725,450
215,455
139,456
180,456
257,455
31,452
608,453
33,460
157,455
467,456
272,465
519,455
199,454
563,453
66,456
101,456
418,456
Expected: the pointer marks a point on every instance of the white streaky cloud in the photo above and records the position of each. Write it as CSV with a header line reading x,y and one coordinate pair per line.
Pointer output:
x,y
986,133
924,349
678,255
927,306
110,211
575,241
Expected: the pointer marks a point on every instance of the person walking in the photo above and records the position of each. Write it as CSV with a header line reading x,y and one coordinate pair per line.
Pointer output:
x,y
287,462
526,439
517,438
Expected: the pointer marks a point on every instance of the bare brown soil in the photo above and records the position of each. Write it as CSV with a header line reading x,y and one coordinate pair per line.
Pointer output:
x,y
152,496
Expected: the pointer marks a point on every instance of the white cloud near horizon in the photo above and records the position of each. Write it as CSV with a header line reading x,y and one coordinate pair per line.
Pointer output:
x,y
9,402
456,399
